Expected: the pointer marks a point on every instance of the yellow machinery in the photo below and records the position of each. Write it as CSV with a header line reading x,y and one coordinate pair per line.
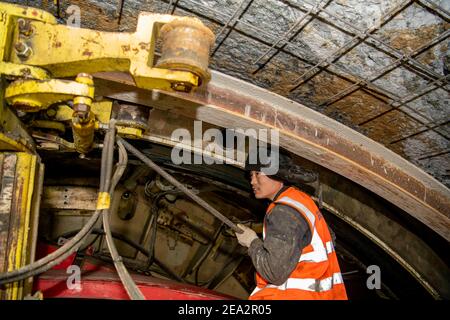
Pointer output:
x,y
46,68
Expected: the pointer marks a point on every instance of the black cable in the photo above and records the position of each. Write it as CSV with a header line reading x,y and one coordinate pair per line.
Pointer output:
x,y
90,243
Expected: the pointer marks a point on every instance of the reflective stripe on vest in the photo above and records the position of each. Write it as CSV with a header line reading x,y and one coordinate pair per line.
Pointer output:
x,y
300,207
319,254
307,284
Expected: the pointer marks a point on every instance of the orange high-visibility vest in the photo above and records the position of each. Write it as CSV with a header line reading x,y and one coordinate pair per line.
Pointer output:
x,y
317,275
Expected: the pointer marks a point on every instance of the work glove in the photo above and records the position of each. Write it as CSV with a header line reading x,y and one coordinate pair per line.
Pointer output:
x,y
246,238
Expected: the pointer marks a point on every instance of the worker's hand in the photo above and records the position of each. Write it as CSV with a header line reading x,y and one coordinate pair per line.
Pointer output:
x,y
246,238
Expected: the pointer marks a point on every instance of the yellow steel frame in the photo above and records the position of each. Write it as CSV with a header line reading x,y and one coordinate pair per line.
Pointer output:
x,y
9,14
40,94
19,173
54,50
65,51
13,135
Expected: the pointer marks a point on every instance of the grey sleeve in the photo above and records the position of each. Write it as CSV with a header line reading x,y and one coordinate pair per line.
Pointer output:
x,y
287,233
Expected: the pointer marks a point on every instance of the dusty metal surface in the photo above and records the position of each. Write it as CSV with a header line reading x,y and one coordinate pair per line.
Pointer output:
x,y
228,102
81,198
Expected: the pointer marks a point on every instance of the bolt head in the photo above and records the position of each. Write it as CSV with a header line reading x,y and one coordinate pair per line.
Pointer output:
x,y
20,47
181,86
81,107
51,112
85,75
23,51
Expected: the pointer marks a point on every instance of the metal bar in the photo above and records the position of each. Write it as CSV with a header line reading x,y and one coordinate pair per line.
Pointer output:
x,y
438,10
434,155
311,12
406,100
359,37
231,18
180,186
409,114
225,26
397,52
58,8
174,6
120,10
169,7
419,132
443,36
400,54
426,124
360,80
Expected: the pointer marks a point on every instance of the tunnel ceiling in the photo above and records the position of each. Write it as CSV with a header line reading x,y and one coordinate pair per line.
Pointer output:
x,y
379,66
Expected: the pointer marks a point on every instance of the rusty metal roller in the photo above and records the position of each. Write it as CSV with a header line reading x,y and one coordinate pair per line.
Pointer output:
x,y
186,44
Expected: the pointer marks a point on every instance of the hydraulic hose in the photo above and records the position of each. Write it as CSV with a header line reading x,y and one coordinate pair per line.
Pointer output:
x,y
130,286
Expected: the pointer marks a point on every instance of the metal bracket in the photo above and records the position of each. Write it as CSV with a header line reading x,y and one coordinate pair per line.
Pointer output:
x,y
186,44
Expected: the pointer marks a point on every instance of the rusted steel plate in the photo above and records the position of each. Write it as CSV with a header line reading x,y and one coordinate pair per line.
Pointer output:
x,y
229,102
81,198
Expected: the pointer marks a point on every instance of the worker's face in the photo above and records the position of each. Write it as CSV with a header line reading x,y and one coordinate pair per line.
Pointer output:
x,y
263,186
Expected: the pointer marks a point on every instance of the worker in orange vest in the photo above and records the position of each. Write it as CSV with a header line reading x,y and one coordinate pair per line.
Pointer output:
x,y
296,257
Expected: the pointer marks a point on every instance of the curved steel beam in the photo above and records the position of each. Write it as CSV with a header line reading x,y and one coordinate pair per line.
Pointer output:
x,y
229,102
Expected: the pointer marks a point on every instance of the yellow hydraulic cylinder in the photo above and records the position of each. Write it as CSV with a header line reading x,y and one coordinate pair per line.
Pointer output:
x,y
83,120
83,134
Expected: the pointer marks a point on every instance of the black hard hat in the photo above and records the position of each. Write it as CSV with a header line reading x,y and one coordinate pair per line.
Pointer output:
x,y
288,172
